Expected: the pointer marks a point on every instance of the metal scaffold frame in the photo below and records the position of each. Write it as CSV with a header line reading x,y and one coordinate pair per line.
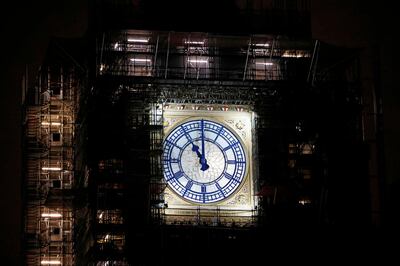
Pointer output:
x,y
95,143
146,117
165,68
200,56
49,167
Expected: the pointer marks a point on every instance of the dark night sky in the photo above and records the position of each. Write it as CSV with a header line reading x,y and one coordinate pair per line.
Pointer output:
x,y
27,25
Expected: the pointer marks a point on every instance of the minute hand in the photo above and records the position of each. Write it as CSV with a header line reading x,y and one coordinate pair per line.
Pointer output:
x,y
203,161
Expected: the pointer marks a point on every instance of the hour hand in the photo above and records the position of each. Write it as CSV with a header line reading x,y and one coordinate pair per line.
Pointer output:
x,y
203,162
196,148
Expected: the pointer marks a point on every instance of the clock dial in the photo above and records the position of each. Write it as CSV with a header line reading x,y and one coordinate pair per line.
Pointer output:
x,y
204,162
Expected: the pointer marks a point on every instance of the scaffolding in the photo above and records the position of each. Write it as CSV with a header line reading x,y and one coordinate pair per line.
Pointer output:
x,y
125,166
201,56
94,184
49,167
145,125
146,72
143,76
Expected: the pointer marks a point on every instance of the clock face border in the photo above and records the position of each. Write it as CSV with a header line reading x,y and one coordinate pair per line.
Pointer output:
x,y
233,132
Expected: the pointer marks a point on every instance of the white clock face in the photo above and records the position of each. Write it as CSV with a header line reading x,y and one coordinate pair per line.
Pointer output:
x,y
204,162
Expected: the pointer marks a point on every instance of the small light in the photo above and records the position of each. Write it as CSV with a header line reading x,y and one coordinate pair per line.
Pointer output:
x,y
116,45
51,215
239,109
194,42
101,215
260,50
262,44
210,108
51,123
224,108
195,107
180,107
138,40
292,55
140,60
107,237
264,63
202,61
51,168
51,262
304,201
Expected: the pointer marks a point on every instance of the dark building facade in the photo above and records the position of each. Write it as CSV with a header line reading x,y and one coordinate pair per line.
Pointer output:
x,y
183,128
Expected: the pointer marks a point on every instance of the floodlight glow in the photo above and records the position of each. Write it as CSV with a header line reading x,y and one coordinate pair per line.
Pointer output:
x,y
262,44
138,40
264,64
202,61
260,50
304,202
140,60
51,168
51,262
194,42
51,123
51,215
292,55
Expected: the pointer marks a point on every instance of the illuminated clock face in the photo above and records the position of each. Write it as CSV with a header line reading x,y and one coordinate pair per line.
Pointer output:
x,y
204,162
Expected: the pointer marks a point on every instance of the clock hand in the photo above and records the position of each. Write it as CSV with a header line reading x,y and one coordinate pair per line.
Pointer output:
x,y
203,161
195,148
